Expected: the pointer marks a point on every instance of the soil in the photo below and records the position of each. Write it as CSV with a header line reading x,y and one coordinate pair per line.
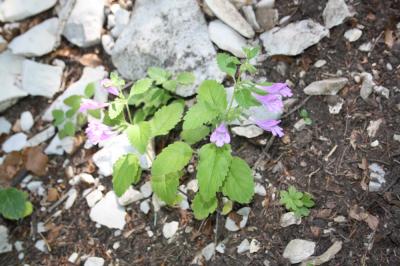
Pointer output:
x,y
337,182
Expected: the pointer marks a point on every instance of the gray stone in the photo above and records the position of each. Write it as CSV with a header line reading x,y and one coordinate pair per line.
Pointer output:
x,y
121,20
226,11
267,18
299,250
146,189
367,85
250,16
42,136
226,38
326,87
170,229
255,246
243,247
294,38
38,40
266,3
250,131
72,195
208,252
15,143
84,25
131,195
319,63
13,10
289,219
41,79
108,212
176,39
93,197
373,127
94,261
41,245
335,12
383,91
353,35
365,47
145,206
377,178
5,246
108,43
5,126
26,121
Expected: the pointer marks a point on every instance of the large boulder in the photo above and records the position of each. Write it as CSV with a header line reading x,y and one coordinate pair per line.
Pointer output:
x,y
169,34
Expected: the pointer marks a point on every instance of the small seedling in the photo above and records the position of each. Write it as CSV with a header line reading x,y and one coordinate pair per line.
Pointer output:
x,y
306,117
296,201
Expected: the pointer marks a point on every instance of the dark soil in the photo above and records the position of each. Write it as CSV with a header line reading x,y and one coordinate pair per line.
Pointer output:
x,y
337,183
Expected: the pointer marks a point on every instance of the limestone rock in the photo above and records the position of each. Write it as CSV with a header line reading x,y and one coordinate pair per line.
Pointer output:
x,y
299,250
335,12
13,10
326,87
108,212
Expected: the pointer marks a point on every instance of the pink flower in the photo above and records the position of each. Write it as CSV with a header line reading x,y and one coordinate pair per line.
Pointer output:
x,y
109,86
87,104
278,89
220,136
97,131
271,101
272,126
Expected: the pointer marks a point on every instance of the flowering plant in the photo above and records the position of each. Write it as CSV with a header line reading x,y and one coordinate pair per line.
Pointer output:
x,y
157,111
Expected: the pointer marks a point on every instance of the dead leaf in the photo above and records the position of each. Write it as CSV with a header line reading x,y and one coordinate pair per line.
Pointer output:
x,y
372,222
316,231
389,39
91,59
326,256
359,214
36,161
11,166
52,194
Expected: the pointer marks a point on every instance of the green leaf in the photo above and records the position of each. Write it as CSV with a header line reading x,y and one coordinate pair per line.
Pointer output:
x,y
239,183
28,209
202,208
95,113
58,116
159,75
170,85
139,135
227,63
69,129
141,86
139,116
73,101
186,78
308,200
115,109
307,121
13,203
251,52
172,159
198,115
71,112
244,98
212,169
303,113
117,80
90,89
165,186
125,172
107,120
192,136
166,118
81,120
227,208
247,67
214,94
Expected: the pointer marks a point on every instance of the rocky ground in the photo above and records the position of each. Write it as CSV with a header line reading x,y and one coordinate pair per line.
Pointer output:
x,y
342,60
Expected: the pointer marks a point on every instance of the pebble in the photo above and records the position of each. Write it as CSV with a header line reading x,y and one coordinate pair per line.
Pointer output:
x,y
108,43
26,121
243,247
353,35
326,87
230,224
220,248
375,143
73,257
396,137
19,246
255,246
170,229
208,252
300,125
121,19
55,147
14,10
193,185
250,131
335,105
72,195
299,250
267,17
108,212
319,63
365,47
15,143
260,190
116,245
377,178
41,245
373,127
36,187
340,219
385,92
145,206
335,12
5,246
266,3
93,197
5,126
146,189
367,85
42,136
289,219
94,261
131,195
250,16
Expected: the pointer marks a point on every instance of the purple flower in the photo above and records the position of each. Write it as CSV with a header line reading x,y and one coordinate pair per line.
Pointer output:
x,y
271,125
220,136
278,89
97,131
271,101
109,86
87,104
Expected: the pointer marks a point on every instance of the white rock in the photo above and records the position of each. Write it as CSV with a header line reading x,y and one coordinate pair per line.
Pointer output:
x,y
72,195
78,88
157,203
94,261
15,143
73,258
385,92
41,79
377,177
267,18
289,219
5,126
335,108
169,229
10,76
108,43
294,38
121,21
326,87
208,252
84,25
41,245
41,228
145,206
353,35
367,85
113,149
226,11
300,125
340,219
193,185
396,137
226,38
365,47
250,16
36,187
335,12
373,127
18,246
176,39
55,147
320,63
299,250
4,245
93,197
146,189
243,247
131,195
116,245
38,40
375,143
26,121
13,10
266,3
42,136
231,224
260,190
255,246
220,248
249,132
108,212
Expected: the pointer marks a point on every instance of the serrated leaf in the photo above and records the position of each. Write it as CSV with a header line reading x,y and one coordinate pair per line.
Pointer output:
x,y
202,208
170,85
192,136
227,63
58,116
73,101
303,113
117,80
186,78
166,186
69,129
115,121
90,89
141,86
139,135
125,172
239,183
245,99
212,169
166,118
115,109
214,94
251,52
13,203
159,75
172,159
198,115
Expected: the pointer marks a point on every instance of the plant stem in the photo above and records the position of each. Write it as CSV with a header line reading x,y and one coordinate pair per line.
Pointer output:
x,y
129,112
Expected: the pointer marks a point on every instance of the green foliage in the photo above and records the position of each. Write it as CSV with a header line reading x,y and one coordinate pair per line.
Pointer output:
x,y
116,108
203,208
158,74
296,201
306,117
126,171
90,90
192,136
186,78
166,118
141,86
227,63
139,135
58,116
14,204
